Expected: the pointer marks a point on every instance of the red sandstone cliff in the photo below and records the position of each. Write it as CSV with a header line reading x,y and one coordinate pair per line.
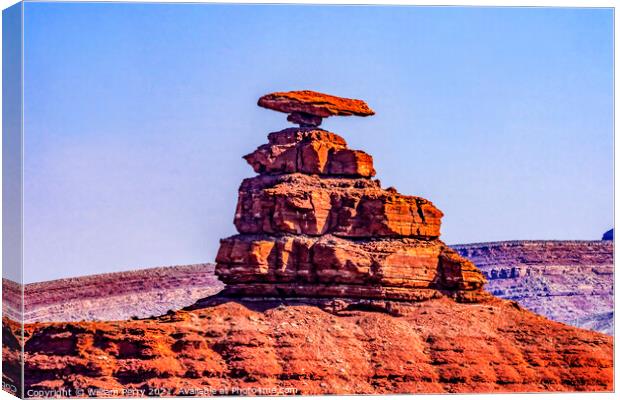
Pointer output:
x,y
566,281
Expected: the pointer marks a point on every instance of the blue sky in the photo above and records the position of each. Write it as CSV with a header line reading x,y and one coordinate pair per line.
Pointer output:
x,y
137,115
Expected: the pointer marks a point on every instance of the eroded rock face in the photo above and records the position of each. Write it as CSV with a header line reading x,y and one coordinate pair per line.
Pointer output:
x,y
334,311
314,103
113,296
328,266
311,205
315,224
309,151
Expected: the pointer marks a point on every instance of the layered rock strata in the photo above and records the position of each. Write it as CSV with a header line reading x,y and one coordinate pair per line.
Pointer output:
x,y
114,296
314,223
567,281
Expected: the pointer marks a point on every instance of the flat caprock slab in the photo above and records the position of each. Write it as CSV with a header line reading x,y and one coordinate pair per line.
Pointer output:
x,y
307,107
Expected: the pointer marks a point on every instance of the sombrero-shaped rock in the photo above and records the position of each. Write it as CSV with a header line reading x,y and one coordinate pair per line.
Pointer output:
x,y
308,108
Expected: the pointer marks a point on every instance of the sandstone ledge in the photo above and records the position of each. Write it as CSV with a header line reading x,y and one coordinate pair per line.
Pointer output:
x,y
311,205
399,269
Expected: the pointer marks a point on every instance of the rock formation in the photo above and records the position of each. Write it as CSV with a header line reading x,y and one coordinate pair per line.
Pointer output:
x,y
609,235
315,224
308,108
567,281
315,229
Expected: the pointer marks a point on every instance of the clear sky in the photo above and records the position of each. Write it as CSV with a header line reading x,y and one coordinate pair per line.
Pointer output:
x,y
137,115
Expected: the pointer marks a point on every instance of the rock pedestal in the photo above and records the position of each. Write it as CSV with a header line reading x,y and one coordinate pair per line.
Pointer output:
x,y
314,223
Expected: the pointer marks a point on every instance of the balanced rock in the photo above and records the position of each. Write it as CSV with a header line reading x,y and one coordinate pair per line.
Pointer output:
x,y
314,224
307,108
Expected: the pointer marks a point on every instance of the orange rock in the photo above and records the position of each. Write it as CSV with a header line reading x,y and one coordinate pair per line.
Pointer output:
x,y
313,223
325,261
312,205
314,104
435,346
309,151
326,266
350,163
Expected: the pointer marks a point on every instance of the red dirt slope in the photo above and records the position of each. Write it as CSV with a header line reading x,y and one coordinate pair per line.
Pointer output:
x,y
433,346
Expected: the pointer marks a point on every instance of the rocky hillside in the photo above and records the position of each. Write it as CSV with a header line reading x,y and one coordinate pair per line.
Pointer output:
x,y
114,296
434,346
567,281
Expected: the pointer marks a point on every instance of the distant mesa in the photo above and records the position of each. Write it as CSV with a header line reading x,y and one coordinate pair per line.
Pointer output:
x,y
567,281
609,235
112,296
308,108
